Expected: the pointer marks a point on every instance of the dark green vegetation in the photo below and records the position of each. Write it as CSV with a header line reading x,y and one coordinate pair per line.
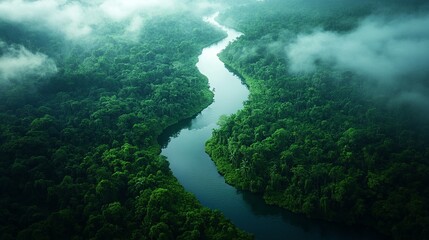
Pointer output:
x,y
78,152
320,143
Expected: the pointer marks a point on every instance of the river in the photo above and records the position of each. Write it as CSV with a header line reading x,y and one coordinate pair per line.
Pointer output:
x,y
197,173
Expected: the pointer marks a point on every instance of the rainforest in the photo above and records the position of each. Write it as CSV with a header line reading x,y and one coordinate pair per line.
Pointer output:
x,y
319,121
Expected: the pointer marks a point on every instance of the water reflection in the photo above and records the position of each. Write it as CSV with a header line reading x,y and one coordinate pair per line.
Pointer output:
x,y
320,229
173,131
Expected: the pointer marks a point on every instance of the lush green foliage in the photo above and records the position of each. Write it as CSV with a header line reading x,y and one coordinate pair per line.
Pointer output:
x,y
78,152
319,143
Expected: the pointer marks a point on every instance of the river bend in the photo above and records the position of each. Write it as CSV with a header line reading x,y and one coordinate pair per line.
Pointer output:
x,y
197,173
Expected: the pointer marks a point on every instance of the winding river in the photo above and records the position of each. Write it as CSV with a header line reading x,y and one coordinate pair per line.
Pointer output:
x,y
184,149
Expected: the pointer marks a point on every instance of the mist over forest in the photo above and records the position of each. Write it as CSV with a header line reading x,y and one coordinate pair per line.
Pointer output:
x,y
76,19
335,127
390,51
17,62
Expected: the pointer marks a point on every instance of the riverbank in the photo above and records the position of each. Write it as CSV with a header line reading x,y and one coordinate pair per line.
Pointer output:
x,y
196,171
233,177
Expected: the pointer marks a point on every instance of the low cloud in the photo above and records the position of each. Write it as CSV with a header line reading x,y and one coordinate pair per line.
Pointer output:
x,y
120,10
77,19
17,63
393,53
70,18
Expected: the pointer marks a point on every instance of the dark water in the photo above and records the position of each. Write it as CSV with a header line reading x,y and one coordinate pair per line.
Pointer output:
x,y
197,173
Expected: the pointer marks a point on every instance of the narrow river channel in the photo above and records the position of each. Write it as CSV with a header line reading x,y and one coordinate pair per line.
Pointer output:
x,y
184,149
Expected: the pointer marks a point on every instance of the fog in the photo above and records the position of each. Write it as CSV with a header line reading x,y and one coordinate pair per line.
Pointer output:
x,y
81,22
77,19
380,49
72,19
390,52
17,63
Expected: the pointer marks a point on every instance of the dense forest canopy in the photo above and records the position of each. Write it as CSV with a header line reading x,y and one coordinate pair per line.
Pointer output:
x,y
336,126
85,91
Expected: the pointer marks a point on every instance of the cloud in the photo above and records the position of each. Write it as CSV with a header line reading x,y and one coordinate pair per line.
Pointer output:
x,y
393,53
120,10
378,48
77,19
17,62
70,18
